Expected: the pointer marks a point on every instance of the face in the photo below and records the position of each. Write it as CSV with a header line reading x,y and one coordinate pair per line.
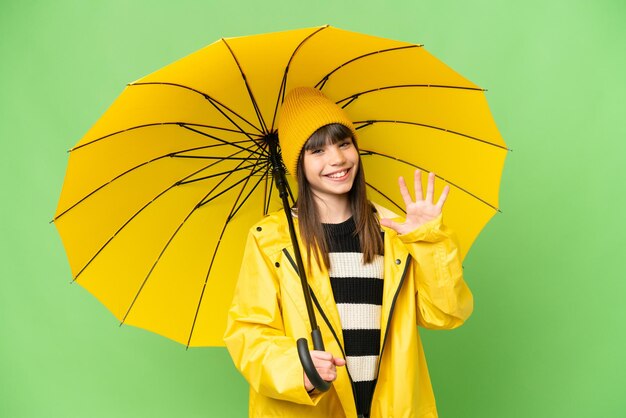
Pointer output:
x,y
331,169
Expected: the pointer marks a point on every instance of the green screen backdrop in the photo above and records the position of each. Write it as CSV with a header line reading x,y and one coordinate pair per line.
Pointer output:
x,y
548,335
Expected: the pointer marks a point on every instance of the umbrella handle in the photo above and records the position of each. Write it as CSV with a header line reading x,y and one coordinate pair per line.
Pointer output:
x,y
307,363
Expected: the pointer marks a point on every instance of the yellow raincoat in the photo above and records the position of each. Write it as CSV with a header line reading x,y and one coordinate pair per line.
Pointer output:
x,y
423,285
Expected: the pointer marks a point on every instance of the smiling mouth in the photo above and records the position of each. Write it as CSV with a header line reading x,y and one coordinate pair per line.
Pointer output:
x,y
338,175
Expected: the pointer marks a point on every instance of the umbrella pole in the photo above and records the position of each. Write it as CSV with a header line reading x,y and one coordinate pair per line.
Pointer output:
x,y
278,171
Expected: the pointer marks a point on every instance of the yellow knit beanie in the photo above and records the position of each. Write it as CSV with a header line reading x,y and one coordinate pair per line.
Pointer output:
x,y
303,112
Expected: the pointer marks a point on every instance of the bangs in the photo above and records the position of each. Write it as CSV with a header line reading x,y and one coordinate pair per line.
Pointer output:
x,y
328,134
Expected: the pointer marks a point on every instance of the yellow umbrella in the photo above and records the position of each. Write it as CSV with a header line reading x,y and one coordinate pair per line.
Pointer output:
x,y
160,193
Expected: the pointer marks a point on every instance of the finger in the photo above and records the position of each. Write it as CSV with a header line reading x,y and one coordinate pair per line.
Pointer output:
x,y
430,191
390,224
443,197
404,191
326,371
327,375
330,368
386,222
417,183
323,364
339,361
322,355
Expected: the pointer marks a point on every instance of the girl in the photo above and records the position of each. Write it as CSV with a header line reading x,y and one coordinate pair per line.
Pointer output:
x,y
372,281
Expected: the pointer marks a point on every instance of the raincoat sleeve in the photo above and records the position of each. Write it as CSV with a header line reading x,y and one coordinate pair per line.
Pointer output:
x,y
255,334
443,298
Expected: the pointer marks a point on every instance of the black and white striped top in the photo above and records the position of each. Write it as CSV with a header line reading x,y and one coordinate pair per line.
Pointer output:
x,y
358,292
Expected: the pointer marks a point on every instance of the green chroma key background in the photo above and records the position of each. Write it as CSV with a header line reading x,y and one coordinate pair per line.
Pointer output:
x,y
547,335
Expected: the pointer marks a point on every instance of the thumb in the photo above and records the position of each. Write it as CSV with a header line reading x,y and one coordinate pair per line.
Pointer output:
x,y
339,361
389,224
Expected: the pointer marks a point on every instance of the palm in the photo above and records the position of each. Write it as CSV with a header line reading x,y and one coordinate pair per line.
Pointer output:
x,y
421,210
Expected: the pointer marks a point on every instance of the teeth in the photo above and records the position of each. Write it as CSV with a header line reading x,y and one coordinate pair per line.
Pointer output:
x,y
338,175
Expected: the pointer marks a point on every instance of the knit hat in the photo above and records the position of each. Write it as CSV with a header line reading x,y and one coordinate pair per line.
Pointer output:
x,y
304,111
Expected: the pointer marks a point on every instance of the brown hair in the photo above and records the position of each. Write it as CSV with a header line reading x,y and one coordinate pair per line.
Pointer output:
x,y
311,229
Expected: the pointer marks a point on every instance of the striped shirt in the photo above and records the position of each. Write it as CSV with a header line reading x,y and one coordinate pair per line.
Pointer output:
x,y
358,292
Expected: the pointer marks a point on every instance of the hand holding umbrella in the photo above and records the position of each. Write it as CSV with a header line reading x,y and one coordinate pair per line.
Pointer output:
x,y
325,365
420,211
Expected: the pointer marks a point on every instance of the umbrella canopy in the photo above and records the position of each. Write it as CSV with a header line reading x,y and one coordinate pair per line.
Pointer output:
x,y
160,193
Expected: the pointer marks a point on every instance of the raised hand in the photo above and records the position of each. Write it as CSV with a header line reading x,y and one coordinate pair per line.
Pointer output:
x,y
423,209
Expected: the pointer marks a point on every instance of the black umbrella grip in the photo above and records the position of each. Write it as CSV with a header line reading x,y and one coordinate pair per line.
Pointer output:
x,y
307,363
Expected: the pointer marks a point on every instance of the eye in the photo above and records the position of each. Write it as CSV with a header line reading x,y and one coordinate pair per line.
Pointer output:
x,y
316,151
345,144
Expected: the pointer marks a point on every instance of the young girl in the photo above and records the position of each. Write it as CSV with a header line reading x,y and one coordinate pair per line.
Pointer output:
x,y
372,280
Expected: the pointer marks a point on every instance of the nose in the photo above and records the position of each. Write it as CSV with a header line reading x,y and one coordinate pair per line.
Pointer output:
x,y
337,156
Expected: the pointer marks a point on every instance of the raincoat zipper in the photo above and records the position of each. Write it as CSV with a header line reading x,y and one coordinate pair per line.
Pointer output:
x,y
393,305
391,309
319,308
